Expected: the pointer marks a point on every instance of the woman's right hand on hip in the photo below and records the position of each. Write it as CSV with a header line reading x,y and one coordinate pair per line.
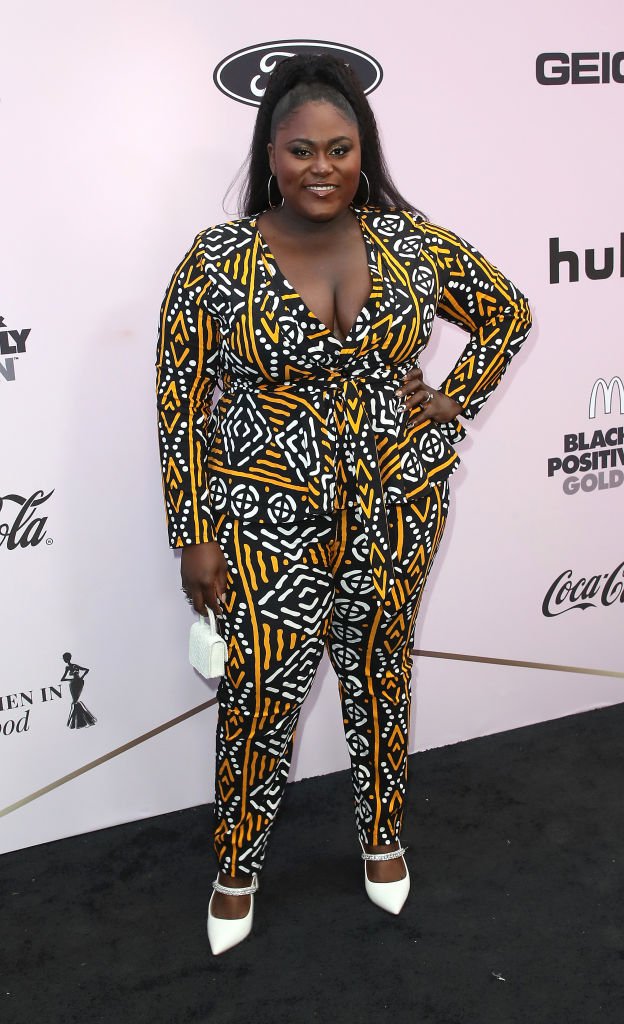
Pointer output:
x,y
204,576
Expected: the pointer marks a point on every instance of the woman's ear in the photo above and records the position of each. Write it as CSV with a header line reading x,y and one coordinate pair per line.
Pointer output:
x,y
271,152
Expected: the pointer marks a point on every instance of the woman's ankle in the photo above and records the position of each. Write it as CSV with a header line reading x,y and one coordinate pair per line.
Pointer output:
x,y
391,870
237,881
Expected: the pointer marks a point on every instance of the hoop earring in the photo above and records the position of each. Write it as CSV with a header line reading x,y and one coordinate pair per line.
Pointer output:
x,y
367,200
272,206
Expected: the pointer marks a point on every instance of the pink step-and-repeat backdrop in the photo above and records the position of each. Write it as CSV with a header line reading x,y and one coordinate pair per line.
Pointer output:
x,y
119,144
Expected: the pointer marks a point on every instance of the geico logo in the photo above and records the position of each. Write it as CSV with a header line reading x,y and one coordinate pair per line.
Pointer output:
x,y
595,269
580,68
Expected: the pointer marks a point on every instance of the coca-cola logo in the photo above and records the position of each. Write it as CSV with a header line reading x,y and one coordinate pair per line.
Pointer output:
x,y
21,523
243,75
567,594
12,345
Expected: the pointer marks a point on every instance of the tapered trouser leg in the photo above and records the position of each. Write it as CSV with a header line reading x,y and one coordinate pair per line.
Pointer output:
x,y
291,589
371,651
278,604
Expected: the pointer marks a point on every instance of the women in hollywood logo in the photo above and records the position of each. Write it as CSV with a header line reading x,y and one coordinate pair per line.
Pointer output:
x,y
79,716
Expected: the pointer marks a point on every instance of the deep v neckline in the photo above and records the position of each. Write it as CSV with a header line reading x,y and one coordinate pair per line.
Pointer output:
x,y
372,264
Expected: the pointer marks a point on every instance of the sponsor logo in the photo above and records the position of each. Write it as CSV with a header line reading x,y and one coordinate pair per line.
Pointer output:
x,y
16,708
11,723
21,522
593,460
79,716
606,390
592,68
567,594
243,75
12,346
597,265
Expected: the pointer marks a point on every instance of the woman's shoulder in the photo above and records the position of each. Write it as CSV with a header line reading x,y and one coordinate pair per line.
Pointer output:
x,y
225,234
410,233
390,220
213,246
399,221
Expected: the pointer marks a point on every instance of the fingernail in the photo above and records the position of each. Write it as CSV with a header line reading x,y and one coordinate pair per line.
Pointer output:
x,y
222,598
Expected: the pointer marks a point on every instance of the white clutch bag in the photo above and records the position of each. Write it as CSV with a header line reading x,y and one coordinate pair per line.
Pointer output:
x,y
207,648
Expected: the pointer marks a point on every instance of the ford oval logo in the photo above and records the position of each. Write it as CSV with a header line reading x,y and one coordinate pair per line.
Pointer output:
x,y
243,75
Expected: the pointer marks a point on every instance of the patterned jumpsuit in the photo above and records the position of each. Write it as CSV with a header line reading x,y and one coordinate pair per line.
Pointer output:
x,y
328,503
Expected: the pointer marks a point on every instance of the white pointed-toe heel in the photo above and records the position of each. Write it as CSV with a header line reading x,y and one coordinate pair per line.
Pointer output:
x,y
389,896
223,933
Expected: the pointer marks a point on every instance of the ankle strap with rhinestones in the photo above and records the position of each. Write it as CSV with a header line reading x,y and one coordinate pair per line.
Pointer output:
x,y
227,890
391,855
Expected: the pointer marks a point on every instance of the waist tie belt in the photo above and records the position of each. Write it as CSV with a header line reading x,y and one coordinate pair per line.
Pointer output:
x,y
354,427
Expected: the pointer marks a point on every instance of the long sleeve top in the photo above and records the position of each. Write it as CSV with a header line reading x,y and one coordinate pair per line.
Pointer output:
x,y
307,423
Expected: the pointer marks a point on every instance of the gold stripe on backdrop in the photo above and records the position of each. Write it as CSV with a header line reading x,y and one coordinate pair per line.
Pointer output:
x,y
107,757
476,659
521,664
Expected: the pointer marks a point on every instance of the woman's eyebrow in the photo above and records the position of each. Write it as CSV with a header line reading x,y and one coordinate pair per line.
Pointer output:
x,y
311,142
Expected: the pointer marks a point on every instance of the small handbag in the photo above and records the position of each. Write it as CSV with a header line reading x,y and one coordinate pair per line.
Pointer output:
x,y
207,648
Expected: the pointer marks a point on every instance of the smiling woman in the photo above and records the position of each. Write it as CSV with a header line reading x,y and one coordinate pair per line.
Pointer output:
x,y
316,158
310,503
325,165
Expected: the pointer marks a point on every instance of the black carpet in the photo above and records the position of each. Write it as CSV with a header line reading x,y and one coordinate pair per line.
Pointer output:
x,y
516,912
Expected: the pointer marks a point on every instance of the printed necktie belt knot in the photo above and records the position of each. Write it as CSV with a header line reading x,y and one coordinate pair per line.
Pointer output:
x,y
355,431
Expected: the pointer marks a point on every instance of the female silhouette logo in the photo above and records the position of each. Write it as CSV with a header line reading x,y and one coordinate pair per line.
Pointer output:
x,y
79,716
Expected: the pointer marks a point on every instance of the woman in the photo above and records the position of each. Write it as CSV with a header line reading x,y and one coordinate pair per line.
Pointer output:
x,y
310,503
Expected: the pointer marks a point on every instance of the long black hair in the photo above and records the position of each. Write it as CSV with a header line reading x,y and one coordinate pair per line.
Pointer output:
x,y
314,77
